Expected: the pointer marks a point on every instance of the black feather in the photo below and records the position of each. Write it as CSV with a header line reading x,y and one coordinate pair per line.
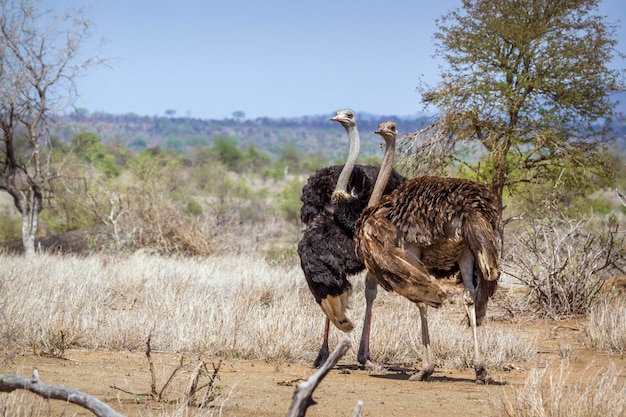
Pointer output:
x,y
327,248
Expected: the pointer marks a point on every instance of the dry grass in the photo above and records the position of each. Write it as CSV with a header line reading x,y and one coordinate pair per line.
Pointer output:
x,y
26,404
236,306
606,329
554,394
241,306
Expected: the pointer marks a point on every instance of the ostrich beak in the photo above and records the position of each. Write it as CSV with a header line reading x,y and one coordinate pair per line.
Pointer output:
x,y
337,119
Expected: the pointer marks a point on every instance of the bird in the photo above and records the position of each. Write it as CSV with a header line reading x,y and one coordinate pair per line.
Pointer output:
x,y
427,225
332,201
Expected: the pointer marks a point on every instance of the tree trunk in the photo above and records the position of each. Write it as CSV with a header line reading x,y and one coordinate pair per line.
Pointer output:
x,y
29,204
29,230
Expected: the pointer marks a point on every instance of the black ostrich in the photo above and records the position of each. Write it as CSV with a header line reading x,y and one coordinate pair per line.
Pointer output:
x,y
333,199
426,225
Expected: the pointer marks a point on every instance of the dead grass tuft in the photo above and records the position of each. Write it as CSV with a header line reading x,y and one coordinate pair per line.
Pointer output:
x,y
606,330
555,394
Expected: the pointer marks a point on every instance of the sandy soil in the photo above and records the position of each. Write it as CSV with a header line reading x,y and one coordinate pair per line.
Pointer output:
x,y
258,388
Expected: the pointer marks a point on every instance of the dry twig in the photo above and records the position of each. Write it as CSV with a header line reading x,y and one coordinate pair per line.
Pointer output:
x,y
194,387
302,397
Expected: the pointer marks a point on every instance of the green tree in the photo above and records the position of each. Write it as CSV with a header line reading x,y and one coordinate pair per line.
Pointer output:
x,y
255,160
90,148
526,85
40,56
289,201
138,144
227,151
290,157
174,144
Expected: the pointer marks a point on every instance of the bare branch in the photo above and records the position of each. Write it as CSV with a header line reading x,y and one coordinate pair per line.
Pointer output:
x,y
622,197
10,383
302,397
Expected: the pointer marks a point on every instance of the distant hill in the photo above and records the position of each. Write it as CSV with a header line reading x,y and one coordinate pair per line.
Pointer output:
x,y
309,134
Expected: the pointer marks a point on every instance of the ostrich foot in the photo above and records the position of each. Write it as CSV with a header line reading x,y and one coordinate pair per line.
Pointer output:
x,y
372,366
483,377
363,357
422,375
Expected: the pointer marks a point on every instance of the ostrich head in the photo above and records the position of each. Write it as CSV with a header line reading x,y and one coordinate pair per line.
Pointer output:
x,y
346,118
387,130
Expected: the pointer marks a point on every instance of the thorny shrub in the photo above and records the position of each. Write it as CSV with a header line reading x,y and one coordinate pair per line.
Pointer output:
x,y
565,262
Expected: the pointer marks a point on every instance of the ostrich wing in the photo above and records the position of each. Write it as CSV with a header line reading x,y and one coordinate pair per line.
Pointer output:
x,y
327,257
398,269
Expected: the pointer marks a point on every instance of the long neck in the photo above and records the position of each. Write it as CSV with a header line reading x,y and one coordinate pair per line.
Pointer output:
x,y
355,148
384,173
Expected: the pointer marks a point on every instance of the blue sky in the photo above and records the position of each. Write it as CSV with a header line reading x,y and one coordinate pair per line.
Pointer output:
x,y
272,58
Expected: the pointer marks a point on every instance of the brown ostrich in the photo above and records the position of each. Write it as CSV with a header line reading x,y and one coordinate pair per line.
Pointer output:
x,y
332,201
431,224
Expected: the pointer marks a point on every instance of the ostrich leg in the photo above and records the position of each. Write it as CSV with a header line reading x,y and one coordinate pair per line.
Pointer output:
x,y
466,264
363,356
428,363
371,290
482,376
323,353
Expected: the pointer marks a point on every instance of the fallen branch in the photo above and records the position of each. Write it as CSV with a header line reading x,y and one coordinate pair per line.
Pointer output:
x,y
302,397
10,383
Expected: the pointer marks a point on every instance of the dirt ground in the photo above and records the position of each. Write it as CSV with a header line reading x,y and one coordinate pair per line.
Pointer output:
x,y
259,388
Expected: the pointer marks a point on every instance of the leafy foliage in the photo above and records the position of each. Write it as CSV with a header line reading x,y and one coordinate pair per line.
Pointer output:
x,y
90,149
525,87
9,225
289,201
226,149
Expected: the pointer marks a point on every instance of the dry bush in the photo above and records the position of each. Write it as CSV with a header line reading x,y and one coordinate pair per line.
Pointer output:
x,y
546,394
156,222
564,264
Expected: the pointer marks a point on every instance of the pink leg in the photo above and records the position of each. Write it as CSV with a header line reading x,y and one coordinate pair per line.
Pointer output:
x,y
323,353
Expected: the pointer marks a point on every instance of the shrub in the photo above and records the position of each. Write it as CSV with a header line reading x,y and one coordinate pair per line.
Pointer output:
x,y
10,224
564,264
193,207
289,201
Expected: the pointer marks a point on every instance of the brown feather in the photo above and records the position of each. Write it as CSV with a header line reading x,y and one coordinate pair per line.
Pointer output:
x,y
423,227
